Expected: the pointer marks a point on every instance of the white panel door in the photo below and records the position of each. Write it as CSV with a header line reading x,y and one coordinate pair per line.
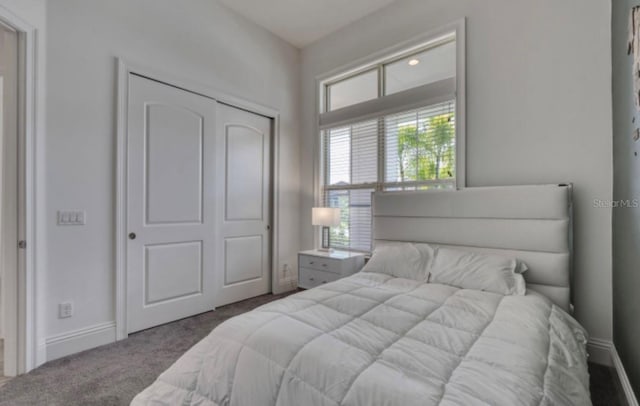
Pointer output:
x,y
243,214
170,202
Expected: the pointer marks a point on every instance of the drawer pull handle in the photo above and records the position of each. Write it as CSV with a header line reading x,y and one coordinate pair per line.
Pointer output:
x,y
324,281
312,279
325,265
311,262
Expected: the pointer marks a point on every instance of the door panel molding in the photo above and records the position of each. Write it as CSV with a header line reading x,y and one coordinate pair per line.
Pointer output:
x,y
237,246
124,70
242,161
178,179
173,260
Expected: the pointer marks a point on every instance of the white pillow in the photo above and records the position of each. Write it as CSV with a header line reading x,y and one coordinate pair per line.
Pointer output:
x,y
521,284
479,271
521,267
401,260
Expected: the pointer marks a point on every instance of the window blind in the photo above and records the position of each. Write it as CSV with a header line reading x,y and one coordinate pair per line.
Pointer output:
x,y
410,150
420,147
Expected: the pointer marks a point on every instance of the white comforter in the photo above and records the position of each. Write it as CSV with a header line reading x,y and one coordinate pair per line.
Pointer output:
x,y
371,339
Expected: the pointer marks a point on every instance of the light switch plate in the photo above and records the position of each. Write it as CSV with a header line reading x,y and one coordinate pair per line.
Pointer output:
x,y
72,217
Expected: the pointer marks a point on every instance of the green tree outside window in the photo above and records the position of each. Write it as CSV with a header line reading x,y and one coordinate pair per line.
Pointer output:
x,y
426,151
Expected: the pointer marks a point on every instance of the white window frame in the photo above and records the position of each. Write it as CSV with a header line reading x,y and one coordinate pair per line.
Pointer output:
x,y
377,61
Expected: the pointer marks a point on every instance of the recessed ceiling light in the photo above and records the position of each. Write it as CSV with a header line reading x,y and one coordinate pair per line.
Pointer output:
x,y
414,62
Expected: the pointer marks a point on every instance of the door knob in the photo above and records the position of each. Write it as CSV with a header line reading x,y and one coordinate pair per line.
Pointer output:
x,y
132,236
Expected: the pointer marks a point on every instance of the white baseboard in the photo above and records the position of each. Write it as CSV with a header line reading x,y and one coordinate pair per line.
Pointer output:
x,y
599,351
604,352
80,340
624,379
41,353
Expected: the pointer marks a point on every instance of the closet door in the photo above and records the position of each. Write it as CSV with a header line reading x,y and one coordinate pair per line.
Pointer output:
x,y
170,203
243,216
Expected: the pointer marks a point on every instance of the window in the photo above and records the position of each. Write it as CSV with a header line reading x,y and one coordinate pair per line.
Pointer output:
x,y
391,126
433,64
352,90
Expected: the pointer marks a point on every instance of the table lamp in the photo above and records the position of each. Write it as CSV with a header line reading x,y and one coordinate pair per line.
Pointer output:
x,y
325,217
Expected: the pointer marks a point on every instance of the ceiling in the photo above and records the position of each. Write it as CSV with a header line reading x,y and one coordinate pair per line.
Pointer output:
x,y
301,22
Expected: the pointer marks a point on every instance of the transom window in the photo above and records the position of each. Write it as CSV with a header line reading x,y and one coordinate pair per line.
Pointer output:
x,y
389,126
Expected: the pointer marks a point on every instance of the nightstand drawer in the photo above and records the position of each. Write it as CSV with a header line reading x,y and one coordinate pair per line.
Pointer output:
x,y
321,264
310,278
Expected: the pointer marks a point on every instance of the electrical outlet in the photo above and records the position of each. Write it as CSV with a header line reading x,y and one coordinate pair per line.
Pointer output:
x,y
65,310
293,282
72,217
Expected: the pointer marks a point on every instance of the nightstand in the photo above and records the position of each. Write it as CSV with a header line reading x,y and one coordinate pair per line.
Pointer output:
x,y
320,267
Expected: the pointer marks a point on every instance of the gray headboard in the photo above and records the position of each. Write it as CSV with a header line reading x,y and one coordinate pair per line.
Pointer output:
x,y
532,223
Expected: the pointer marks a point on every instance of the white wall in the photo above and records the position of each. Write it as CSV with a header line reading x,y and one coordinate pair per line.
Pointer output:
x,y
198,40
538,109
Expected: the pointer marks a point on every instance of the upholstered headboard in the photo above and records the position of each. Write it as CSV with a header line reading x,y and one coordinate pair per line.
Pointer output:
x,y
532,223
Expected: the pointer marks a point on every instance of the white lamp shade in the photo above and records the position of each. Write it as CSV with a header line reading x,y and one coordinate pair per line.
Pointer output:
x,y
325,216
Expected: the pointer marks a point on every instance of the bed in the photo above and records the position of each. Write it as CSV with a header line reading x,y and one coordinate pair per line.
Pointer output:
x,y
385,337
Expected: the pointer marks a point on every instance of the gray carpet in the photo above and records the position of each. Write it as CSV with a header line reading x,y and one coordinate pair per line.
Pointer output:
x,y
606,389
115,373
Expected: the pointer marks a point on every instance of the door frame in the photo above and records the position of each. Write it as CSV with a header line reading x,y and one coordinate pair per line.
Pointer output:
x,y
124,69
21,322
